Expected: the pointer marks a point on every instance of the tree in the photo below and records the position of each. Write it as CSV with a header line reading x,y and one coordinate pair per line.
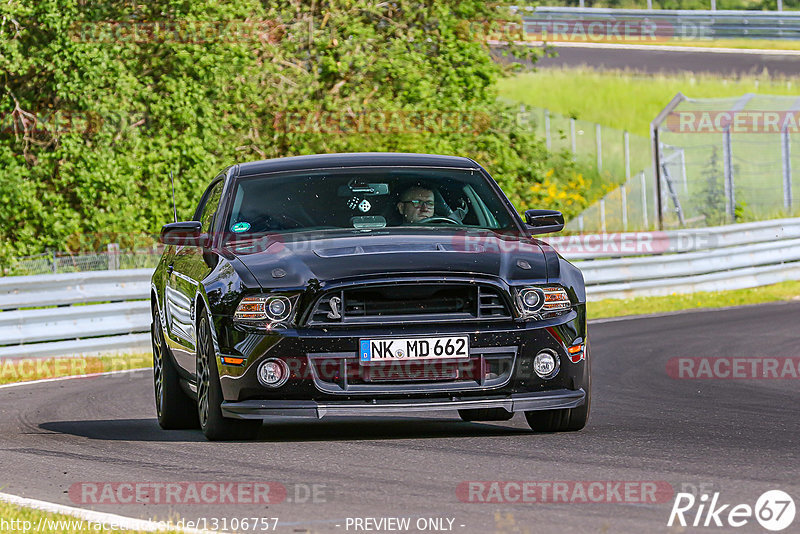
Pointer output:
x,y
102,100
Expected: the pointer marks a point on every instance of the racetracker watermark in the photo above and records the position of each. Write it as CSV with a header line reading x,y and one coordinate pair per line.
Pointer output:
x,y
735,122
405,367
599,30
565,491
178,31
343,122
42,124
774,510
204,493
734,368
26,369
57,122
589,245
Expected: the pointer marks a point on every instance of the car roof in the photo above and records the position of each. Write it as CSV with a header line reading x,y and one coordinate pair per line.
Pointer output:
x,y
357,159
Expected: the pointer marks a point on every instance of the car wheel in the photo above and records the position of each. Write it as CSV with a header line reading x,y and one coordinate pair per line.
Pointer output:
x,y
564,420
175,410
485,414
209,395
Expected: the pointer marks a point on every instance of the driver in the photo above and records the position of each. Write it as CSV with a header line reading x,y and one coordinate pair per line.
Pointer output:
x,y
416,203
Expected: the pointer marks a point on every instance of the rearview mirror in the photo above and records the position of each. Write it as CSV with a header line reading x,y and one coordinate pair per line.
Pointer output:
x,y
186,233
544,221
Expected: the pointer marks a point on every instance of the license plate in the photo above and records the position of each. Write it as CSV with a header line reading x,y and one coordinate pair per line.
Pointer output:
x,y
416,348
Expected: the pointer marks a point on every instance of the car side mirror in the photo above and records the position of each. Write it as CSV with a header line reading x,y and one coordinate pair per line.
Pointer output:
x,y
186,233
544,221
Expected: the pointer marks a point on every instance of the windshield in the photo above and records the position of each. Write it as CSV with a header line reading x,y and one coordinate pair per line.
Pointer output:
x,y
365,198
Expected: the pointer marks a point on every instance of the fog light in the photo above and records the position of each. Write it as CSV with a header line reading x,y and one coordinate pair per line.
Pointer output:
x,y
273,373
545,365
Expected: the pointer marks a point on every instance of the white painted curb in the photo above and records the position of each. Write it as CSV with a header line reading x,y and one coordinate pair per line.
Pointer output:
x,y
128,523
74,377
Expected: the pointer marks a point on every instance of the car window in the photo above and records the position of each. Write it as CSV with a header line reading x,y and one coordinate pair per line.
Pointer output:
x,y
366,198
209,208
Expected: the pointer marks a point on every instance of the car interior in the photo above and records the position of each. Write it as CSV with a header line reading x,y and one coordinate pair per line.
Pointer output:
x,y
350,200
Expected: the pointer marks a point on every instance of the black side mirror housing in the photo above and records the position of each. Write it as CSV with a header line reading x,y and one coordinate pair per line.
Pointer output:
x,y
186,233
544,221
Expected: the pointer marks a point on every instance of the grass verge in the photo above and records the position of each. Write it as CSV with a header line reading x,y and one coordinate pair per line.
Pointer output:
x,y
17,519
742,44
628,100
28,369
715,299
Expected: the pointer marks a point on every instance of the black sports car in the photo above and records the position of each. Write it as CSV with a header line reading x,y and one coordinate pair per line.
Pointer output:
x,y
352,284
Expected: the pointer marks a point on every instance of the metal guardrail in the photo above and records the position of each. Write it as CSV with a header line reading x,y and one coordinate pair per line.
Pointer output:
x,y
686,261
113,315
661,24
615,245
73,288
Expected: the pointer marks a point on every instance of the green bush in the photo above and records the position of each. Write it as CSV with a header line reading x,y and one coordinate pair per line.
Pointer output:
x,y
95,115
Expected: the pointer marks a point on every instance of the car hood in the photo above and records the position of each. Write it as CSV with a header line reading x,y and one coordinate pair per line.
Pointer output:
x,y
293,260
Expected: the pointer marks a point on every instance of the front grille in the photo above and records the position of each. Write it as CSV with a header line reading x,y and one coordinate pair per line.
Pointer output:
x,y
344,374
408,302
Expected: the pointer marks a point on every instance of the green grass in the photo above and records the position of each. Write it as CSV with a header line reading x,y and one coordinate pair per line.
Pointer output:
x,y
627,100
15,516
28,369
716,299
757,44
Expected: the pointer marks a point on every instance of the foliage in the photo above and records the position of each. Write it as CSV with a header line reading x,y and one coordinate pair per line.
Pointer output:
x,y
100,100
711,202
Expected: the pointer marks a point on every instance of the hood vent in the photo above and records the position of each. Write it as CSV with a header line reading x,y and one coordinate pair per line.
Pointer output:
x,y
398,248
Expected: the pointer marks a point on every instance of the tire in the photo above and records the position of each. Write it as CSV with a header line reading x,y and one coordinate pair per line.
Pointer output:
x,y
209,395
485,414
564,420
174,409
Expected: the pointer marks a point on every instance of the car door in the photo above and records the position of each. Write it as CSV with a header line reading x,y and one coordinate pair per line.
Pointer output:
x,y
187,270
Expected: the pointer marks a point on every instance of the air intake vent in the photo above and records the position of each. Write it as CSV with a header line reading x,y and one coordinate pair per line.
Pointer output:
x,y
409,302
491,304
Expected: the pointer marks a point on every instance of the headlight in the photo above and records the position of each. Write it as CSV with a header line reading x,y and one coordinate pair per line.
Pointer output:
x,y
541,300
277,309
530,299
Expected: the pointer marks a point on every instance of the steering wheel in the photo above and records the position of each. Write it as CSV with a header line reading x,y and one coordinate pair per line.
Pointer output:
x,y
438,219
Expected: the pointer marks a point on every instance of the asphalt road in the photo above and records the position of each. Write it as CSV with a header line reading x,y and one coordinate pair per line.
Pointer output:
x,y
654,61
737,437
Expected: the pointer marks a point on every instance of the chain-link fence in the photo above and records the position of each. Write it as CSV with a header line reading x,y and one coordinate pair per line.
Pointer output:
x,y
612,152
629,207
622,160
738,158
63,262
721,160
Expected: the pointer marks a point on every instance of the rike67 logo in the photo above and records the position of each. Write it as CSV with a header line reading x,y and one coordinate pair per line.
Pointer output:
x,y
774,510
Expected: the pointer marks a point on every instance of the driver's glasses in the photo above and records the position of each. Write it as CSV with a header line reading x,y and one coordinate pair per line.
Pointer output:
x,y
420,203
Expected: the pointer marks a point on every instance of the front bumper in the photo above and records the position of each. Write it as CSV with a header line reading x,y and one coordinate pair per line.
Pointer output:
x,y
522,402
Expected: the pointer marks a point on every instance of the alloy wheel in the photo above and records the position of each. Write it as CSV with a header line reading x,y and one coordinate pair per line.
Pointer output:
x,y
203,378
158,364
